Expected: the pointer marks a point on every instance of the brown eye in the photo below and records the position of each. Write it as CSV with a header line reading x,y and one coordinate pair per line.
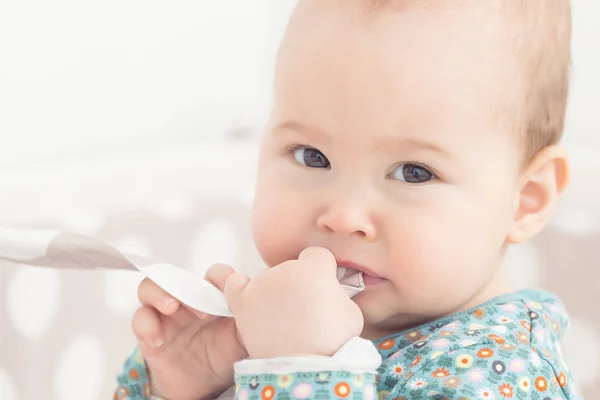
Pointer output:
x,y
412,173
310,157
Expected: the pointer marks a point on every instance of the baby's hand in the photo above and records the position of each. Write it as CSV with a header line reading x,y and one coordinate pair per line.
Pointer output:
x,y
296,308
188,355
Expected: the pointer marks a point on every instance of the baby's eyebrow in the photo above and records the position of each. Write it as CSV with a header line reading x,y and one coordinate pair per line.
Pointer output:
x,y
309,131
394,143
386,143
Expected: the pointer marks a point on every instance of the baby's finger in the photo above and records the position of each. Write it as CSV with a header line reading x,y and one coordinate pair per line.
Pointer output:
x,y
235,285
318,257
152,295
196,313
218,274
147,329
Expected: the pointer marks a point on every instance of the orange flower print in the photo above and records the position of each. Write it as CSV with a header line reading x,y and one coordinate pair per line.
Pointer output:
x,y
387,344
342,390
413,336
416,361
418,384
268,393
453,382
497,338
505,390
440,373
522,337
479,314
508,346
562,380
133,374
485,353
526,325
524,384
464,361
285,381
541,384
397,370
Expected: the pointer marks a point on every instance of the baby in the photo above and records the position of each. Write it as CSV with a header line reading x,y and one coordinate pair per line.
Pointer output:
x,y
413,141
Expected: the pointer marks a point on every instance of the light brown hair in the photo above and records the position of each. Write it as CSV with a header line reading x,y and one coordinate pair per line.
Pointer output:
x,y
539,34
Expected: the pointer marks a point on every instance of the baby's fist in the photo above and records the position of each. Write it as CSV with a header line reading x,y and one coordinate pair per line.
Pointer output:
x,y
296,308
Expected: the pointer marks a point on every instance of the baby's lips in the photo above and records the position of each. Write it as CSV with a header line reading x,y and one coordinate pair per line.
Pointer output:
x,y
351,280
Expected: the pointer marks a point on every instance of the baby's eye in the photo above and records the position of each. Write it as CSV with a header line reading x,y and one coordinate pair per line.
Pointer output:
x,y
412,173
311,157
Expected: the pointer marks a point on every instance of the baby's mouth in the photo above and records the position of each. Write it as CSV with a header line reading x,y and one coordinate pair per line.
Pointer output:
x,y
351,280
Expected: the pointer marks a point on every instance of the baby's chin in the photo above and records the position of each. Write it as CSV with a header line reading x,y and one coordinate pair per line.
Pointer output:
x,y
377,326
384,314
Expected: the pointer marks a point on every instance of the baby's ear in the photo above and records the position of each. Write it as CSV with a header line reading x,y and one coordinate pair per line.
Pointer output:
x,y
542,183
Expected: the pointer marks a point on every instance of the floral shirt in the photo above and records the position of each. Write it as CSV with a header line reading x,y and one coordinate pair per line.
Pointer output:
x,y
507,348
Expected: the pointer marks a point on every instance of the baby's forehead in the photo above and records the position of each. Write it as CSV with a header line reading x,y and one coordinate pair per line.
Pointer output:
x,y
452,57
404,5
447,39
399,62
534,40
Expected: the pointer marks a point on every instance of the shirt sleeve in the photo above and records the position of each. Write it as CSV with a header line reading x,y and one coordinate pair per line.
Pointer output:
x,y
350,373
133,382
480,371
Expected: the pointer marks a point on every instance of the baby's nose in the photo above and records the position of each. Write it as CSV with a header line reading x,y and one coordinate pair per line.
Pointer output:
x,y
348,220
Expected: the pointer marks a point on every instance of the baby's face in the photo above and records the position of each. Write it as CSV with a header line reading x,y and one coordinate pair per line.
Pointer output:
x,y
385,146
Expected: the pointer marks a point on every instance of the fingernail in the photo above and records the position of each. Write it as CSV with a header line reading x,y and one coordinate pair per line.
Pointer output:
x,y
170,304
157,342
204,316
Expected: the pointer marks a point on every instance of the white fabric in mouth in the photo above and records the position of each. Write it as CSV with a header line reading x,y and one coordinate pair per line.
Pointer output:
x,y
351,280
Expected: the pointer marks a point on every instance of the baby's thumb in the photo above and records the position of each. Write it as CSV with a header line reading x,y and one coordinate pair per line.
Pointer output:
x,y
318,258
234,287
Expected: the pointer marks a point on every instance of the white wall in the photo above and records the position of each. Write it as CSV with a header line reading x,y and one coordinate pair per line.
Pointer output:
x,y
80,80
583,124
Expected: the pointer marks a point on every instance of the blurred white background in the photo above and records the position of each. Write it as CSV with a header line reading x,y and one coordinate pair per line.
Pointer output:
x,y
96,79
117,119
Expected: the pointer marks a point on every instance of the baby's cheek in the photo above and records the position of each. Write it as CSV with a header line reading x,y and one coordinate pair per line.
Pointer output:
x,y
277,230
434,266
268,238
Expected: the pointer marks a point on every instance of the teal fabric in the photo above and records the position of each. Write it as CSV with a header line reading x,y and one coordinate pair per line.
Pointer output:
x,y
508,348
133,382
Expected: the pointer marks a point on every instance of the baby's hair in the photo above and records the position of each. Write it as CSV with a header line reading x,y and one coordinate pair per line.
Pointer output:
x,y
539,34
